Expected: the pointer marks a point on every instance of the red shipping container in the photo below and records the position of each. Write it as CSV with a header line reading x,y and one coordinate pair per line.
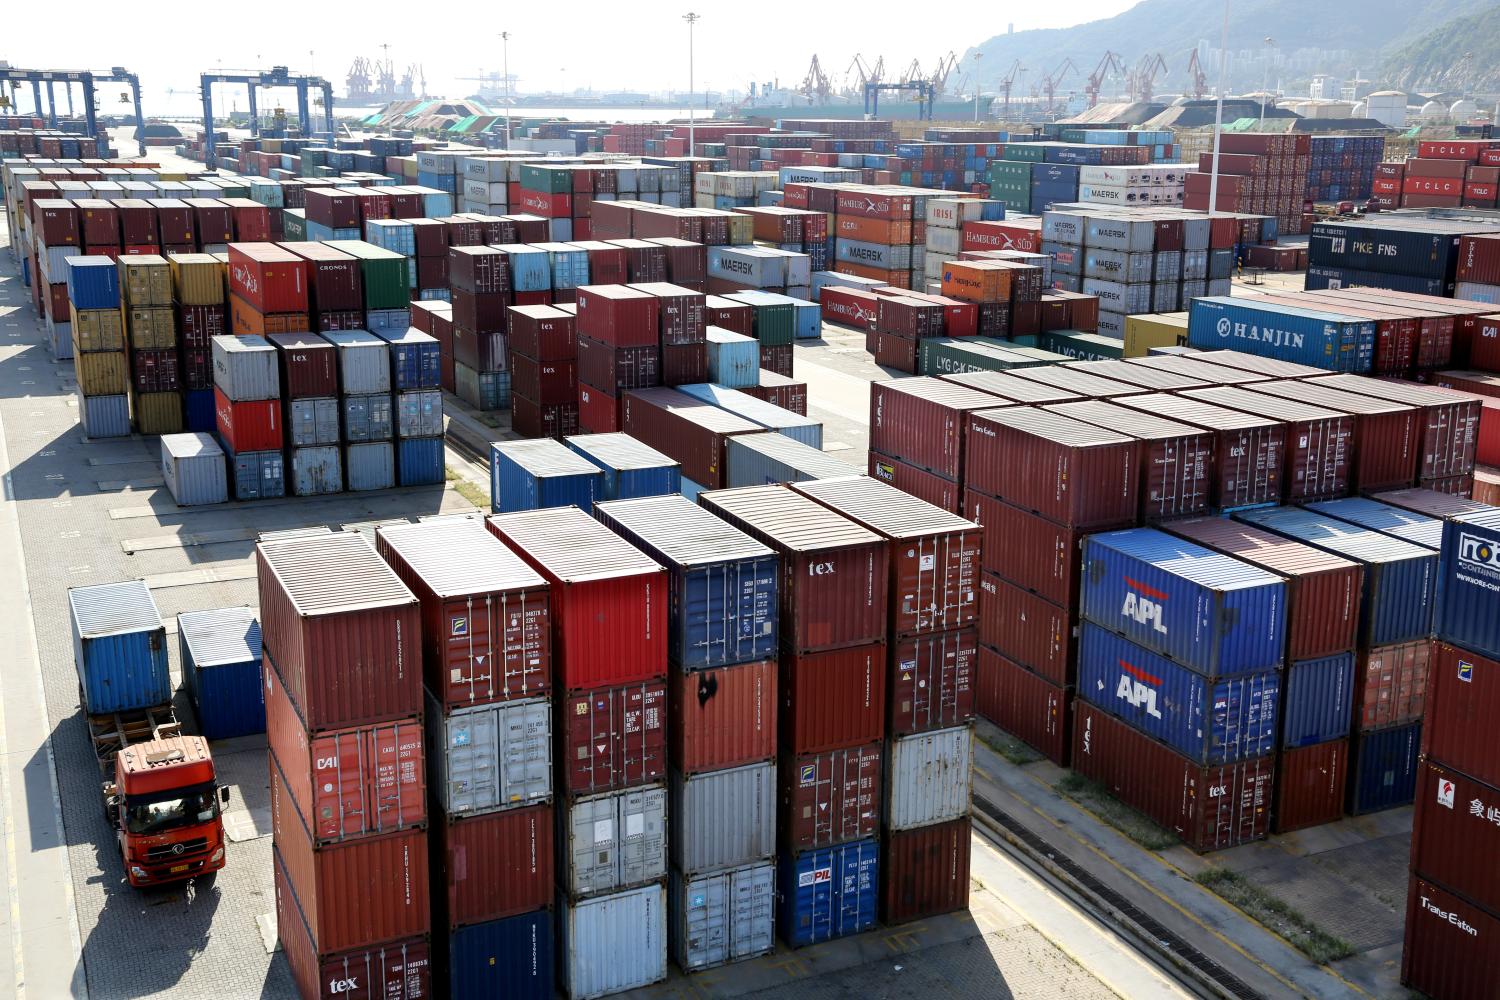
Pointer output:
x,y
832,699
618,315
309,365
1025,705
606,594
1484,344
1452,947
608,264
334,280
1310,784
1033,632
99,221
1463,702
891,351
1175,460
1446,187
1029,551
174,221
686,364
612,737
829,798
250,220
1487,447
934,555
546,204
486,633
333,207
874,204
213,220
921,421
479,269
925,871
137,221
680,313
1066,471
932,681
248,426
546,382
400,970
357,892
919,483
692,432
542,333
1014,235
598,411
1385,435
154,370
481,312
493,865
778,389
1479,258
346,783
723,717
736,317
1319,441
1456,833
848,306
343,629
1247,454
1448,421
529,418
1450,149
57,222
1210,808
267,277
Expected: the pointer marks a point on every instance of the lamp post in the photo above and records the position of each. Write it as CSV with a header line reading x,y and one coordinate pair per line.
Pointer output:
x,y
691,18
1213,180
1265,81
505,72
977,85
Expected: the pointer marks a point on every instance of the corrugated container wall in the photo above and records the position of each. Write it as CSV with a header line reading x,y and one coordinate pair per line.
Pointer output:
x,y
492,865
119,647
828,893
613,841
490,756
614,943
723,818
220,653
512,957
928,778
723,917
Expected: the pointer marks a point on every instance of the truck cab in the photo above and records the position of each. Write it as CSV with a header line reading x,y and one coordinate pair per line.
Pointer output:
x,y
165,803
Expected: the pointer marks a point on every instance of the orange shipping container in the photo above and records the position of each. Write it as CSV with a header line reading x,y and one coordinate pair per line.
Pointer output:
x,y
897,279
977,281
886,231
246,319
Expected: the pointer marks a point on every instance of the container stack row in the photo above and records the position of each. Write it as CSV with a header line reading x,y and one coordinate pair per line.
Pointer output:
x,y
1445,173
1258,172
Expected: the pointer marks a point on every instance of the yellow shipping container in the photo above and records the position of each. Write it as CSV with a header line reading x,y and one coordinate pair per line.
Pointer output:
x,y
103,373
1150,330
152,327
97,329
158,412
196,279
222,257
146,280
741,230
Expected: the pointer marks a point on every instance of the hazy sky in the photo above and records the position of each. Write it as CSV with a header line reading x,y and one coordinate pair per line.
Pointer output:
x,y
606,44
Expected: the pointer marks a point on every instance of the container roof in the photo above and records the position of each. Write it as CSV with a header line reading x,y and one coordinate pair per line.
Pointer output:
x,y
680,530
570,545
223,636
457,556
333,573
789,519
882,508
1182,558
113,609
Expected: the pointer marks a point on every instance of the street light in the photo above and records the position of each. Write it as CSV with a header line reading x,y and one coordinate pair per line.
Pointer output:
x,y
1213,180
1265,80
977,85
505,72
691,19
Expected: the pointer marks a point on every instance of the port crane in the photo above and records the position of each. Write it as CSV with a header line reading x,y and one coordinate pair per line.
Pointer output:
x,y
816,83
867,75
86,79
1006,82
1049,83
276,76
944,69
1199,78
1143,81
1110,63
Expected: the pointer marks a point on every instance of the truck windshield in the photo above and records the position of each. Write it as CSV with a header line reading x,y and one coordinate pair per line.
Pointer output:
x,y
170,809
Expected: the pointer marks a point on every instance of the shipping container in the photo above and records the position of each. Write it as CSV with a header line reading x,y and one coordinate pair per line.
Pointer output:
x,y
724,818
1456,828
611,944
1321,338
1463,698
513,957
119,648
529,475
270,278
723,716
1246,457
333,277
925,871
759,459
612,841
1390,684
489,756
256,475
1386,434
1448,421
828,893
1310,784
932,681
220,653
1383,769
1024,704
1175,460
370,465
1026,628
368,417
767,415
929,778
1467,581
311,423
308,365
922,421
1315,700
363,360
631,469
723,917
1210,808
344,630
613,737
832,797
1451,946
415,359
1419,529
492,865
691,431
249,426
245,368
833,698
1319,441
192,465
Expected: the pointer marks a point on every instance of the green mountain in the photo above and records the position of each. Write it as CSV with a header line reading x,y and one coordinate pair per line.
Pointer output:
x,y
1462,54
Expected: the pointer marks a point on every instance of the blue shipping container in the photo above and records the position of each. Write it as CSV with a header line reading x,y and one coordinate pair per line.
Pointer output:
x,y
1469,586
93,282
758,411
509,958
1406,525
221,664
830,893
416,359
733,359
1208,611
1316,700
119,647
1383,773
107,416
723,606
419,461
256,475
1320,339
631,469
538,473
1399,576
530,268
1209,721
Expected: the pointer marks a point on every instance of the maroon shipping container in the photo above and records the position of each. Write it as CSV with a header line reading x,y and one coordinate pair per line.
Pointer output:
x,y
606,595
1456,833
645,261
684,364
723,717
1175,459
309,365
934,555
737,317
1031,552
493,865
213,220
479,269
431,235
432,272
196,368
833,571
137,221
1148,379
608,264
346,783
1210,808
777,359
832,699
1390,685
1463,702
1310,783
254,425
1030,708
483,352
618,315
920,483
829,798
778,389
1449,430
1078,381
687,261
268,278
1452,947
1069,472
334,280
1247,451
617,368
546,382
529,418
1319,441
480,312
908,318
343,629
932,681
1034,632
612,737
56,221
154,370
174,222
542,333
333,207
99,221
598,411
680,313
486,632
198,325
1385,433
1322,590
399,970
921,421
357,892
692,432
925,871
1005,386
891,351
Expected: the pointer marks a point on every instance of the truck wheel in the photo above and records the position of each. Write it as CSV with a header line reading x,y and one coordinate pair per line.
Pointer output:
x,y
206,882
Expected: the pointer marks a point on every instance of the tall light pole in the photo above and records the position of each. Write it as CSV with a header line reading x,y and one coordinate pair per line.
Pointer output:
x,y
691,19
1213,180
1265,80
505,72
977,85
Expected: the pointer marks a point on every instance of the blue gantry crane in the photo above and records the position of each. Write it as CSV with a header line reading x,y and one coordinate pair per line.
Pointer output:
x,y
926,96
276,76
86,80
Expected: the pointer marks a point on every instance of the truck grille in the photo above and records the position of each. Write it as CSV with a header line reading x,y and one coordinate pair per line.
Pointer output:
x,y
165,853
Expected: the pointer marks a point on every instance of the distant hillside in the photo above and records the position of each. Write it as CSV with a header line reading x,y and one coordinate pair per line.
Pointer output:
x,y
1174,28
1436,60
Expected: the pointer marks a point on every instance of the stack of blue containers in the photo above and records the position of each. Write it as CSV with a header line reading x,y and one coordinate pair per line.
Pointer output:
x,y
534,473
221,661
416,377
631,469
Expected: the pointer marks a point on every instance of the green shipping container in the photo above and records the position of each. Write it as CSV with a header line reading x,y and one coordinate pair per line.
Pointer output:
x,y
1038,354
950,355
553,180
1084,346
385,273
1010,172
1032,152
775,325
294,224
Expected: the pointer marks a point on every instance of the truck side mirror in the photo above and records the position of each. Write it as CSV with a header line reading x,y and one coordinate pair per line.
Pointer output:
x,y
224,794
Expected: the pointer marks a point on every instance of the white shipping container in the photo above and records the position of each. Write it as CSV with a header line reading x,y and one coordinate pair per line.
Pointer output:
x,y
723,917
929,778
364,361
944,241
245,368
485,757
613,840
614,943
485,192
952,213
723,818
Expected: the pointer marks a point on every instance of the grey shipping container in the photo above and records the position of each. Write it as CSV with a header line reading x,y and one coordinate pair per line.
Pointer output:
x,y
104,416
759,459
614,943
364,361
723,917
315,471
758,411
419,413
257,475
928,778
613,840
370,466
245,368
368,418
193,467
493,756
312,422
723,818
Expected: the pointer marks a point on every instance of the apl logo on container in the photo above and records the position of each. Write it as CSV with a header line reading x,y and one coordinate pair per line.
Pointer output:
x,y
1445,793
818,876
1137,688
1143,605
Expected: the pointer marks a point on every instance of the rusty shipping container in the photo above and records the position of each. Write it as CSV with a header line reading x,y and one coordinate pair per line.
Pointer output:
x,y
345,632
921,421
691,431
829,798
1385,433
1026,705
1390,684
606,594
1031,552
1310,786
723,716
932,681
612,738
834,698
1319,441
1248,451
925,872
1175,459
1029,629
1463,702
486,633
934,556
1210,808
492,865
1452,947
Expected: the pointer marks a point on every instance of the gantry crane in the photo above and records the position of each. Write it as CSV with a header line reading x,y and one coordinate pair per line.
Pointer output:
x,y
867,75
1049,83
940,75
1197,76
86,79
815,83
276,76
1110,63
1143,79
1006,82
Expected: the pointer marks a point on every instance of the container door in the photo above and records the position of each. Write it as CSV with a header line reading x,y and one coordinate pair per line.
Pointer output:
x,y
473,764
705,918
855,903
752,908
326,420
642,835
526,753
592,845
